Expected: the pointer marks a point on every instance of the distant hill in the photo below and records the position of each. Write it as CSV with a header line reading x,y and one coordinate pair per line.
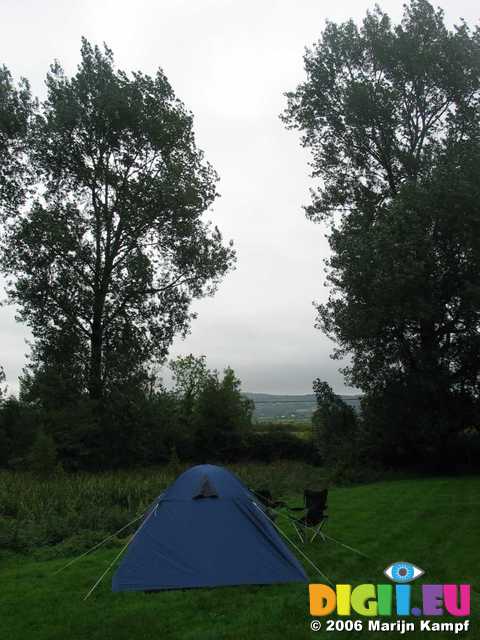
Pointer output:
x,y
290,407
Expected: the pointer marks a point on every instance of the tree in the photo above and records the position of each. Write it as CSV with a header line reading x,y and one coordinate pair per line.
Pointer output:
x,y
222,416
391,114
18,428
213,412
43,456
380,100
114,246
16,112
410,304
334,426
3,388
190,374
56,373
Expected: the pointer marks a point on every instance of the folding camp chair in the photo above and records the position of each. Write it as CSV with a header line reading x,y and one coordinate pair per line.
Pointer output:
x,y
265,497
315,506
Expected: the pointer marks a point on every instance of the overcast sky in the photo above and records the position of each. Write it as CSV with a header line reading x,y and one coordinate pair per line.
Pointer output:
x,y
230,62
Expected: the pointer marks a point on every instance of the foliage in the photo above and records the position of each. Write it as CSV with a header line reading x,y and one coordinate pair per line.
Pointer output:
x,y
380,100
391,114
190,374
19,424
112,247
210,421
43,456
3,389
83,507
16,112
212,410
277,444
222,417
335,428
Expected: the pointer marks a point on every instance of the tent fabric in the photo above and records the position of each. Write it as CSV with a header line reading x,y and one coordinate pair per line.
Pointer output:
x,y
206,530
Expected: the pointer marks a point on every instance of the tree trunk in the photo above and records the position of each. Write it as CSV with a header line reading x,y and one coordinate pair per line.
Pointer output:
x,y
96,344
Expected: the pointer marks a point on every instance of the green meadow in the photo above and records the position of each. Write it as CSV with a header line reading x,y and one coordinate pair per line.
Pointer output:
x,y
432,522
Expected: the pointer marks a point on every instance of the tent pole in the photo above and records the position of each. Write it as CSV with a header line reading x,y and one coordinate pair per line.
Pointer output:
x,y
324,535
343,545
107,569
297,548
99,544
119,554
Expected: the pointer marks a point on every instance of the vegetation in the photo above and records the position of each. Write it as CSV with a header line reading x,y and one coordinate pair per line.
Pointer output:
x,y
335,428
109,248
377,519
391,114
205,417
75,509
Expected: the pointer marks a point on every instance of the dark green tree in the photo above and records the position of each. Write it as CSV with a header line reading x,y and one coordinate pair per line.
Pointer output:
x,y
56,372
4,441
190,374
380,100
391,114
43,456
334,423
16,112
222,417
114,246
3,388
409,309
18,429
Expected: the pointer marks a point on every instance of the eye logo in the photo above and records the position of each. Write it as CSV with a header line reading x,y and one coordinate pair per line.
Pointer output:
x,y
403,572
390,599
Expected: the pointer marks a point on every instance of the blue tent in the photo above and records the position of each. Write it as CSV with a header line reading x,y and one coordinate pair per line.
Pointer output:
x,y
206,530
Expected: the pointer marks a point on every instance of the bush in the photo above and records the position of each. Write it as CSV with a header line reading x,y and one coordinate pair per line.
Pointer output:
x,y
344,474
270,446
19,425
43,456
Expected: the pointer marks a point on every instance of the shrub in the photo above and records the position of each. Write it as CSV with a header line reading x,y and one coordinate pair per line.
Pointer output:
x,y
43,456
270,446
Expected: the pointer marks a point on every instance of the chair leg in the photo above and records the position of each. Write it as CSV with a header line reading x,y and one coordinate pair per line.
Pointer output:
x,y
298,533
318,531
315,533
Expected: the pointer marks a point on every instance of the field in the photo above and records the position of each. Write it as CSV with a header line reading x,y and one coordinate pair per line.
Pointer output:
x,y
432,522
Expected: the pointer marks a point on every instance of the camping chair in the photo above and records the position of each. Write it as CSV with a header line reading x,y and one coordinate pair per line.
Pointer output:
x,y
315,506
265,497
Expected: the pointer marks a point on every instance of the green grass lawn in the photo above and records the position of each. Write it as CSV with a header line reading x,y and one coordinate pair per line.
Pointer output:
x,y
434,523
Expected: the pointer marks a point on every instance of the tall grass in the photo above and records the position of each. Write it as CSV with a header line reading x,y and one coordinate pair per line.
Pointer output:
x,y
81,509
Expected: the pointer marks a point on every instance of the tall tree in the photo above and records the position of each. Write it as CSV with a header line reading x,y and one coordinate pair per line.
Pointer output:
x,y
407,295
114,246
3,388
190,374
391,114
16,112
222,417
334,426
380,100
